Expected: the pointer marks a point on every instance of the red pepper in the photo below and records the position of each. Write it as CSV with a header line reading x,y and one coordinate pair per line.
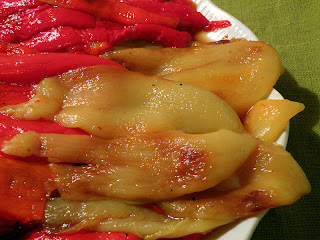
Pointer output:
x,y
157,34
8,7
154,207
187,3
83,235
116,11
57,39
25,183
26,69
9,127
93,48
15,49
62,38
14,94
86,235
11,26
215,25
61,29
24,189
54,17
189,18
21,26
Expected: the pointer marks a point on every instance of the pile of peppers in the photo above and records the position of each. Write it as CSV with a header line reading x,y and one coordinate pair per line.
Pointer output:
x,y
95,26
39,39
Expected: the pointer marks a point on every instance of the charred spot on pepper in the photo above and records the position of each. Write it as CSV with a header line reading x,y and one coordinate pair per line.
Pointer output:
x,y
256,201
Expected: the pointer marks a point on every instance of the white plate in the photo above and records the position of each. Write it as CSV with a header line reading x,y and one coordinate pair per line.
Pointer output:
x,y
239,230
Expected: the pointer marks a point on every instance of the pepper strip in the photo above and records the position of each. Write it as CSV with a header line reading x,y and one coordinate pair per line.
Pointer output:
x,y
59,39
21,26
189,18
24,69
14,94
11,26
15,49
9,127
83,235
24,189
8,7
116,11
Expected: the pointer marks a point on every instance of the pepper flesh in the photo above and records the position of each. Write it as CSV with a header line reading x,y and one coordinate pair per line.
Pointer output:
x,y
24,69
24,25
116,11
24,189
83,235
62,38
65,25
8,7
10,127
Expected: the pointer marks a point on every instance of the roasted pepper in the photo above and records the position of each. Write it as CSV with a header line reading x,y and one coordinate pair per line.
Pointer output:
x,y
25,187
31,68
117,11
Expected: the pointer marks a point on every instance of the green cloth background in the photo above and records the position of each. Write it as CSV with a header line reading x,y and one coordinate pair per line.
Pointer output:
x,y
293,28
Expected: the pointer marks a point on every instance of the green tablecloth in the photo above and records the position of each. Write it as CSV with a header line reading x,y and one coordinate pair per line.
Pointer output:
x,y
293,28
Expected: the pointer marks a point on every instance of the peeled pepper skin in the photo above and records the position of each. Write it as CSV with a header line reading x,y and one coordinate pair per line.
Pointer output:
x,y
110,102
240,72
104,215
174,163
269,178
267,119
